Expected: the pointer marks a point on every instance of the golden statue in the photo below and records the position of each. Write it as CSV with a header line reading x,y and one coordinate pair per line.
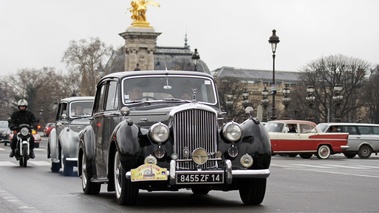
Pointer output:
x,y
138,11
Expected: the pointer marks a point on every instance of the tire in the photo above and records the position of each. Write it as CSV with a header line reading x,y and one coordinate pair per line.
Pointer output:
x,y
349,154
305,155
292,155
126,191
252,191
24,156
67,167
88,187
323,152
200,190
55,167
364,151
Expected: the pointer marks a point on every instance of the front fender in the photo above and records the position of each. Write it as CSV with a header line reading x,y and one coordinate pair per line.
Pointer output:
x,y
127,142
255,141
53,146
87,142
69,141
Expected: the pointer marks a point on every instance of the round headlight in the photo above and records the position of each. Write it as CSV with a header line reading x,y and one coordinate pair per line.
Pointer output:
x,y
24,131
159,132
232,132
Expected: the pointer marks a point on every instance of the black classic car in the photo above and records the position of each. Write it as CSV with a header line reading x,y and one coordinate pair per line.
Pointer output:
x,y
73,114
164,130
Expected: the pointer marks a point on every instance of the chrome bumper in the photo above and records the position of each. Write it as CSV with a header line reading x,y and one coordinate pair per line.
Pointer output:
x,y
344,147
229,173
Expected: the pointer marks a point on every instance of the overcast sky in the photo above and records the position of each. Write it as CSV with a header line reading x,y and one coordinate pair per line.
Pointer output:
x,y
35,33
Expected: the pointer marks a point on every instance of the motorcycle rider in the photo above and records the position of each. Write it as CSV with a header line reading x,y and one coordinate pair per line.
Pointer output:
x,y
22,116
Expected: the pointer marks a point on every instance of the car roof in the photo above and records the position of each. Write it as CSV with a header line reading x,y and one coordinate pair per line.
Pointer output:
x,y
77,98
155,72
349,124
293,121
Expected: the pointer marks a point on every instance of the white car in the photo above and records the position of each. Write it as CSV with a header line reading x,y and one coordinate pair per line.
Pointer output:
x,y
363,137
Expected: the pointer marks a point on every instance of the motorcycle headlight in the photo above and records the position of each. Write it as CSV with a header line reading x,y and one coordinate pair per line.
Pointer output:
x,y
24,131
159,132
232,132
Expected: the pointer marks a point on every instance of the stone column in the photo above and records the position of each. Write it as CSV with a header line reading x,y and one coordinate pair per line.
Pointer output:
x,y
140,44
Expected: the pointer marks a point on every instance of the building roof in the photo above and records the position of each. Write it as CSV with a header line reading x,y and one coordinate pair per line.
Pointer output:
x,y
257,75
165,57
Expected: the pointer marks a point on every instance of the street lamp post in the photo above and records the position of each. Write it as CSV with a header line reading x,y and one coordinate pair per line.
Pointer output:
x,y
229,104
310,99
337,98
245,96
195,58
274,40
264,102
286,100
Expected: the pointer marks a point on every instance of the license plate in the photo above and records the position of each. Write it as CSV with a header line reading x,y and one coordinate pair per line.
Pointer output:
x,y
204,178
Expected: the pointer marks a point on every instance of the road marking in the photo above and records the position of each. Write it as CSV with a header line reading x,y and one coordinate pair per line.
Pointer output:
x,y
31,162
14,201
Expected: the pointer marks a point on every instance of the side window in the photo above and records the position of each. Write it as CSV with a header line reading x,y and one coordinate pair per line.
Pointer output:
x,y
112,97
62,110
99,99
305,128
375,130
364,130
352,130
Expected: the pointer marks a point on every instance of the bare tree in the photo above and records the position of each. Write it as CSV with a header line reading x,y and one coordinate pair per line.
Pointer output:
x,y
372,96
327,72
232,105
42,88
86,59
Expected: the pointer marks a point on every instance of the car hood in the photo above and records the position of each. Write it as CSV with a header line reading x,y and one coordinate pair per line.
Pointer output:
x,y
146,116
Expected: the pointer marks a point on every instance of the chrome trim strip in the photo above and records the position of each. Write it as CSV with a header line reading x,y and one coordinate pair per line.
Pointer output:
x,y
248,173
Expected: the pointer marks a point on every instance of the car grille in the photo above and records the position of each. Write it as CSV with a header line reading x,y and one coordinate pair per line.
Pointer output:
x,y
195,128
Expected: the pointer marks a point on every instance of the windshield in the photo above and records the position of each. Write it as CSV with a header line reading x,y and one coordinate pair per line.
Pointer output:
x,y
3,124
80,108
168,87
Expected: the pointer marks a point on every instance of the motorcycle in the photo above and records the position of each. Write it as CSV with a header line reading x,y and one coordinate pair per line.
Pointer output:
x,y
22,151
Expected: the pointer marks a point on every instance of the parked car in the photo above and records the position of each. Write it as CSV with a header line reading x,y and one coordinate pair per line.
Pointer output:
x,y
363,137
63,141
48,128
4,132
159,138
294,137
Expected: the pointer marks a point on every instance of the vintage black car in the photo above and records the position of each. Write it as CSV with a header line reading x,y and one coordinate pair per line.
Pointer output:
x,y
72,116
164,130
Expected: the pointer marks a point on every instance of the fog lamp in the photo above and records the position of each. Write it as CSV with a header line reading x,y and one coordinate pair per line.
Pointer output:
x,y
233,151
174,156
159,153
246,161
199,156
150,160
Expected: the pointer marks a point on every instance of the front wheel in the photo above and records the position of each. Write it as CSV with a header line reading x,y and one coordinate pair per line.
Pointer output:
x,y
200,190
88,187
252,191
67,167
364,151
24,157
323,152
126,191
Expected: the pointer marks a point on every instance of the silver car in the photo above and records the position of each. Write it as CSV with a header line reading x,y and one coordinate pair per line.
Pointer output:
x,y
363,137
72,116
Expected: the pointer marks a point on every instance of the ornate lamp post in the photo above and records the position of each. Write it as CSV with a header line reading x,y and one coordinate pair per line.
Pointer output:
x,y
337,98
195,58
245,96
310,99
264,102
286,100
229,103
274,40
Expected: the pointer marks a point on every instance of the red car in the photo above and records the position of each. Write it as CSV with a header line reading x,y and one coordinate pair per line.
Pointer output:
x,y
47,129
294,137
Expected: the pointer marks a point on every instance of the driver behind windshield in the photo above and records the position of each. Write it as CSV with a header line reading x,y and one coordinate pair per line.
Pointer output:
x,y
135,93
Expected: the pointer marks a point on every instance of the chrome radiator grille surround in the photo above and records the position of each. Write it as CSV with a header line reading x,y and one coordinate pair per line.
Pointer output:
x,y
194,128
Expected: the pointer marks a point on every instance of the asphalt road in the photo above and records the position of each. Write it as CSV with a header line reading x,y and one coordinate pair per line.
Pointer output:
x,y
337,184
